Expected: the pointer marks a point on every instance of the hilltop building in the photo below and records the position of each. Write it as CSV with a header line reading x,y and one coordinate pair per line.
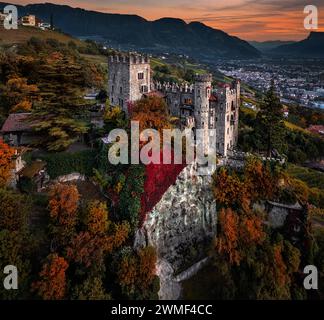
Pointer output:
x,y
29,20
198,106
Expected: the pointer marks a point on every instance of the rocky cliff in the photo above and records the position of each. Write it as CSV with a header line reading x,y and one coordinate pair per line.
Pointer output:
x,y
183,220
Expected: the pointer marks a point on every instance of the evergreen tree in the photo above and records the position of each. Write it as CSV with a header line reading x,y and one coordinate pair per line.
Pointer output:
x,y
59,116
270,124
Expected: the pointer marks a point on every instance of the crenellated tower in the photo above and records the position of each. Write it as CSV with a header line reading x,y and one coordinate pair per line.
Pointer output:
x,y
129,77
227,116
202,93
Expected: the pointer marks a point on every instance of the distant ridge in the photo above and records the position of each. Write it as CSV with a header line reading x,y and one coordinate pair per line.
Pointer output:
x,y
132,32
312,46
265,46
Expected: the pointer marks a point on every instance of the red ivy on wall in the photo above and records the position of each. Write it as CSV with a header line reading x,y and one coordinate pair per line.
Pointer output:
x,y
158,179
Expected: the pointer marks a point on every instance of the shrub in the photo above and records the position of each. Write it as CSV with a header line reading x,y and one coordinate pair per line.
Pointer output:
x,y
59,164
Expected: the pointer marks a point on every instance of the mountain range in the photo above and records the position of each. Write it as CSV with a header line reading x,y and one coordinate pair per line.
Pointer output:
x,y
311,47
132,32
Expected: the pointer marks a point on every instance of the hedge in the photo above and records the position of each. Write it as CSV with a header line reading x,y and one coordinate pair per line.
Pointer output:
x,y
59,164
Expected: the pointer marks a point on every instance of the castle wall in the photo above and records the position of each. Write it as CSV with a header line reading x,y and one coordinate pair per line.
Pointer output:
x,y
178,98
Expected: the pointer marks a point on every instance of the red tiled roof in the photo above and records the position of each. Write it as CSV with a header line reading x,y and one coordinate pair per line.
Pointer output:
x,y
319,129
16,122
213,98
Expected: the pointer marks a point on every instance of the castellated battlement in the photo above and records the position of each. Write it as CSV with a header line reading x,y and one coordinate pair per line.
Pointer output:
x,y
129,58
174,87
230,91
203,78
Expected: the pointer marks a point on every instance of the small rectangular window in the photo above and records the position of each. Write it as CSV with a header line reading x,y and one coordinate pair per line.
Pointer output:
x,y
144,89
140,75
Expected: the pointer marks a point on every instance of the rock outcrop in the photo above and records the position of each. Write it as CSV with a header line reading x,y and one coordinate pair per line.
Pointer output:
x,y
184,218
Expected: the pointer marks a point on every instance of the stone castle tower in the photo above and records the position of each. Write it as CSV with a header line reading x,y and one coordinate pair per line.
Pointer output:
x,y
227,116
202,94
129,77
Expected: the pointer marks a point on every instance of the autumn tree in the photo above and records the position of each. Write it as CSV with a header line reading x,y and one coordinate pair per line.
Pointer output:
x,y
17,245
52,284
278,268
227,241
15,250
6,157
151,113
63,206
136,273
16,241
259,180
251,228
19,94
114,117
91,289
101,236
229,190
257,260
97,218
147,266
14,211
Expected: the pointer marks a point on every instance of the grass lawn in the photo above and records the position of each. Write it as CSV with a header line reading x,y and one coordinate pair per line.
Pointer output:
x,y
294,127
96,59
23,34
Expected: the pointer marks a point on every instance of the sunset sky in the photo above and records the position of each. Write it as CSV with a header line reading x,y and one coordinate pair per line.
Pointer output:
x,y
247,19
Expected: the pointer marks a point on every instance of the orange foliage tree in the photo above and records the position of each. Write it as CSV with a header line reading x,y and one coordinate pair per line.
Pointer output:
x,y
52,283
97,218
147,262
152,113
89,248
137,273
227,242
258,179
252,229
237,232
6,155
229,190
63,206
20,94
242,238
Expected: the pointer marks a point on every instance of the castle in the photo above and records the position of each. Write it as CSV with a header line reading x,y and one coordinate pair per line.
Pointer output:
x,y
198,106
